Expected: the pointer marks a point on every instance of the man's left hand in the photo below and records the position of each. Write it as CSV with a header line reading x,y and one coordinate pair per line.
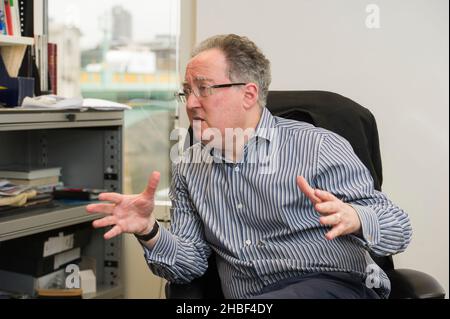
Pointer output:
x,y
342,217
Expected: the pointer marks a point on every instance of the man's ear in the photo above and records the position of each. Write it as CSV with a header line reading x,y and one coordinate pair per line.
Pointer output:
x,y
251,93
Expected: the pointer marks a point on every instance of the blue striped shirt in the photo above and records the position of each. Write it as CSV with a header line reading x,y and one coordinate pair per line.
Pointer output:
x,y
261,226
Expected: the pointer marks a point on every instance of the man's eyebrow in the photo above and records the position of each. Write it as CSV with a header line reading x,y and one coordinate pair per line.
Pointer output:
x,y
197,79
202,78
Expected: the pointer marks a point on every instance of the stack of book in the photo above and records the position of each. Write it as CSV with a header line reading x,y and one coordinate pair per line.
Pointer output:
x,y
27,186
30,176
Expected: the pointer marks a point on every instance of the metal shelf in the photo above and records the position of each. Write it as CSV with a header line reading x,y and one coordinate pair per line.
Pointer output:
x,y
87,145
16,120
33,221
8,40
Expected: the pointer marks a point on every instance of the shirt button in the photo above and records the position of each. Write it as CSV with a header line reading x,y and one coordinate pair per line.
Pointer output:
x,y
248,242
236,169
239,206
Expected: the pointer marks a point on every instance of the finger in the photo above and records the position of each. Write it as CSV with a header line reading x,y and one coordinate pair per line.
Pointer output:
x,y
105,221
307,190
331,220
323,195
100,208
335,232
327,207
111,197
113,232
153,182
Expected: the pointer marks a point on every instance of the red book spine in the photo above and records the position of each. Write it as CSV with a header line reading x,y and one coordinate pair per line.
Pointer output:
x,y
9,25
53,67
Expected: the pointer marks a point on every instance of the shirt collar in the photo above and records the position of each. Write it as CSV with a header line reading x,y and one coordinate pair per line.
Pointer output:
x,y
263,130
265,126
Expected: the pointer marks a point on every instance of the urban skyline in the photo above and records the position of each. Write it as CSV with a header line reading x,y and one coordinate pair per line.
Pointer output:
x,y
148,18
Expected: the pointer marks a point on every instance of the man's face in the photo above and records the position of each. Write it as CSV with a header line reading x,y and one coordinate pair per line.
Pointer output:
x,y
223,108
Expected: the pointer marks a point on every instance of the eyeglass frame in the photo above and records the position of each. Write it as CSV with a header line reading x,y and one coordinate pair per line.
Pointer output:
x,y
183,96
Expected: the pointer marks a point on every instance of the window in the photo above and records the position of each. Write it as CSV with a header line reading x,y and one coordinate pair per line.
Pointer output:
x,y
124,51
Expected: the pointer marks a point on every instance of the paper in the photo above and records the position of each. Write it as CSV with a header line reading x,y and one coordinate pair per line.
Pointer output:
x,y
88,281
62,103
52,102
104,105
9,189
65,257
58,244
3,182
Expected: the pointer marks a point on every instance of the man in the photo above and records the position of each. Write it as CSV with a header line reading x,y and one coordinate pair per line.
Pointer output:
x,y
295,222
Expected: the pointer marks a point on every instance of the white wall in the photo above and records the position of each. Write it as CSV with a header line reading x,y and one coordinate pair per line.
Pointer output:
x,y
399,72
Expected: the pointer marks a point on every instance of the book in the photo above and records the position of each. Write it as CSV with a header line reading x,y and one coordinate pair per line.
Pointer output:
x,y
15,17
51,180
53,67
18,172
8,17
3,29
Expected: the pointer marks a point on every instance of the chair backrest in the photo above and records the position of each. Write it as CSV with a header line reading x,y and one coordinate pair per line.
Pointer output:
x,y
340,115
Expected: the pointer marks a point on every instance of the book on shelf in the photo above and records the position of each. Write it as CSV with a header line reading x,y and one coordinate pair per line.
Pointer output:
x,y
51,180
30,173
3,28
11,16
53,67
8,17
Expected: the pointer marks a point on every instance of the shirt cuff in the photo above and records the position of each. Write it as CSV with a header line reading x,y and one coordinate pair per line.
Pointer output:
x,y
370,227
164,251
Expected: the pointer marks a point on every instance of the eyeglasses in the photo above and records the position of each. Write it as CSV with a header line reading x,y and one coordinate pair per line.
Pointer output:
x,y
202,91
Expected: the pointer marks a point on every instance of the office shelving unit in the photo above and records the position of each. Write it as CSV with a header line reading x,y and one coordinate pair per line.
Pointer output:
x,y
87,145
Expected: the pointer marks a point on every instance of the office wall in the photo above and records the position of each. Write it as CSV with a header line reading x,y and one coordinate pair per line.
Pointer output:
x,y
399,71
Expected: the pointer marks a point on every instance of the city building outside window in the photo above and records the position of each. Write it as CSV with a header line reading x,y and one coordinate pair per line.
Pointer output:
x,y
124,51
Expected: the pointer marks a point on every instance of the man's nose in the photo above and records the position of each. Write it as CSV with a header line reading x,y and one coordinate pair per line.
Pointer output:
x,y
192,101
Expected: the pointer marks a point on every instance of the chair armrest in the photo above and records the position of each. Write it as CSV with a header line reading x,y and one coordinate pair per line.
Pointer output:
x,y
207,286
412,284
192,290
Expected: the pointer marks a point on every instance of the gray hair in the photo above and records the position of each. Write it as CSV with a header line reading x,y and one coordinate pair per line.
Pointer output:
x,y
246,62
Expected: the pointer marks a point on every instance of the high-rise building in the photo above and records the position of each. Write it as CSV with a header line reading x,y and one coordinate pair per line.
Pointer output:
x,y
67,40
121,25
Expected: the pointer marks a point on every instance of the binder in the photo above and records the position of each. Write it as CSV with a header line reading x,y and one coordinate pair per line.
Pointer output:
x,y
16,89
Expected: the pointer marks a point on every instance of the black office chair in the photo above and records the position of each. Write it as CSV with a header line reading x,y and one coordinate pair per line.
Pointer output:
x,y
357,124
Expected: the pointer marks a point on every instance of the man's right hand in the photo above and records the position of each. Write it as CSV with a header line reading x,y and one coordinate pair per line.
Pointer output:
x,y
128,213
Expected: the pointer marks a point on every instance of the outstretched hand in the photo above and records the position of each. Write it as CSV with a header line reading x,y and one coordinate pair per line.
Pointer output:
x,y
128,213
342,217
